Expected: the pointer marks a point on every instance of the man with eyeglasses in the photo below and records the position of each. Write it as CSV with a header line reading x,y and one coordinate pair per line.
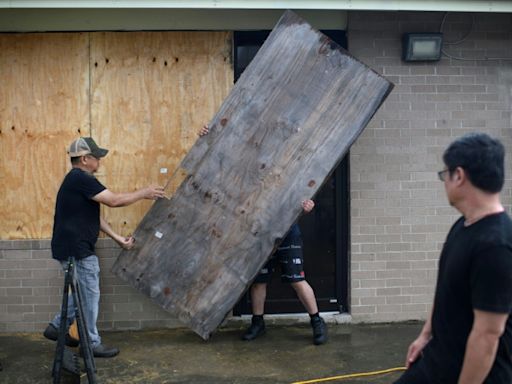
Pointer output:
x,y
76,227
467,337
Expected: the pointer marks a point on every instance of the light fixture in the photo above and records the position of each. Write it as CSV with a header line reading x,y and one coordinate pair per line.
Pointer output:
x,y
421,46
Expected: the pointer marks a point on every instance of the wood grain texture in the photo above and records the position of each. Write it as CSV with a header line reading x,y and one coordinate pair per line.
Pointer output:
x,y
43,107
151,93
143,95
284,127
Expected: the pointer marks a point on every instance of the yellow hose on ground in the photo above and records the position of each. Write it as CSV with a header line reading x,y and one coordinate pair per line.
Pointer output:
x,y
351,376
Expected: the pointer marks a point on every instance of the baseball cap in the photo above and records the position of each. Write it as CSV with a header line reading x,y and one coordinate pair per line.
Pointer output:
x,y
86,146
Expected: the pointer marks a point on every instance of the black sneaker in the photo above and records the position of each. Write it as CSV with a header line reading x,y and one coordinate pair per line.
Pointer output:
x,y
104,351
51,333
257,328
319,330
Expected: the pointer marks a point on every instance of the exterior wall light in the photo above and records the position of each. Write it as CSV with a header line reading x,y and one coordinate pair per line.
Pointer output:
x,y
421,46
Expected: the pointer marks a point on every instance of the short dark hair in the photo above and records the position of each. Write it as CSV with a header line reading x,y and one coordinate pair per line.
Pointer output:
x,y
75,160
482,158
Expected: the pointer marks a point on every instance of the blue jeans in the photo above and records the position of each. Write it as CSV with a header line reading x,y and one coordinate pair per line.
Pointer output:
x,y
88,277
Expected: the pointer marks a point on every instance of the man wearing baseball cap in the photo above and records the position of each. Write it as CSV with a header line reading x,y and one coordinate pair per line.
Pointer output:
x,y
86,146
76,227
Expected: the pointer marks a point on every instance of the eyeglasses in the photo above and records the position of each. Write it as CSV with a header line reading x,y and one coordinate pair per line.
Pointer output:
x,y
441,174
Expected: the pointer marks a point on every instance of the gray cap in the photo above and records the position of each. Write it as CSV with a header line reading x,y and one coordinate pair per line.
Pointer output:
x,y
86,146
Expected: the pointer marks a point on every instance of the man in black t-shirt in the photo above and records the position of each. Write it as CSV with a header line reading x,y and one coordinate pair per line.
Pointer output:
x,y
468,335
76,227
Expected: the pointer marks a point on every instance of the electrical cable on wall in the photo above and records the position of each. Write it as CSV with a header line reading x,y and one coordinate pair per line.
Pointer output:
x,y
462,39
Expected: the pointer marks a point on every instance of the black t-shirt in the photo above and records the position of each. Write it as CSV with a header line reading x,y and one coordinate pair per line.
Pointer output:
x,y
475,272
76,223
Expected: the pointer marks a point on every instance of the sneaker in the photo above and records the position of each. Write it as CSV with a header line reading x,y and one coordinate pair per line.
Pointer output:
x,y
104,351
257,328
319,330
52,333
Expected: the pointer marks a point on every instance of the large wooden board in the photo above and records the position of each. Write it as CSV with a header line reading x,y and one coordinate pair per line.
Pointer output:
x,y
285,125
43,107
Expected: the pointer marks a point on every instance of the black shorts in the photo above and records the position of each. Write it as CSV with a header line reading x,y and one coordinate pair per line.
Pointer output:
x,y
289,256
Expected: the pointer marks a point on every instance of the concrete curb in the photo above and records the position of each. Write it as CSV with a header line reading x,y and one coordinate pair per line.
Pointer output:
x,y
289,319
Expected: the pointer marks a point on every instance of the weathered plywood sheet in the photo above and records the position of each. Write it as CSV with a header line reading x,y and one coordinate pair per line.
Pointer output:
x,y
43,107
151,92
286,124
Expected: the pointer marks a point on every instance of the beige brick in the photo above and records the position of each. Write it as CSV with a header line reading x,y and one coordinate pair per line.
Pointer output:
x,y
423,89
372,266
414,274
388,291
414,308
421,299
418,290
388,274
364,292
398,283
389,308
373,300
19,308
34,299
398,265
422,70
473,88
398,247
17,254
361,275
389,238
399,299
363,238
18,273
373,283
364,257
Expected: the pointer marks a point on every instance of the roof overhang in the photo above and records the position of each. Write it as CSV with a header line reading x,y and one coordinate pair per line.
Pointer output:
x,y
390,5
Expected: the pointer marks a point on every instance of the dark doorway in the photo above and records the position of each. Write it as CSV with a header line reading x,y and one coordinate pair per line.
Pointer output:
x,y
324,231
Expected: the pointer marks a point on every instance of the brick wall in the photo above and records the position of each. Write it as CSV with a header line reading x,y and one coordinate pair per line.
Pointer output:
x,y
31,285
400,215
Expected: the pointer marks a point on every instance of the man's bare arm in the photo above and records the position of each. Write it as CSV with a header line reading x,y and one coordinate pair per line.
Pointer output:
x,y
113,199
482,346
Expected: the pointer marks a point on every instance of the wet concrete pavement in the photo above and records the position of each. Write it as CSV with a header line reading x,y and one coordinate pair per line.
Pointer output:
x,y
285,354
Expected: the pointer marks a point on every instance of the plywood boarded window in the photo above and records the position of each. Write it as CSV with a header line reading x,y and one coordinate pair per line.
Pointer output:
x,y
43,106
143,95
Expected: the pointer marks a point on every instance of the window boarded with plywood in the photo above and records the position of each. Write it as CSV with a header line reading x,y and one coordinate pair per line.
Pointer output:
x,y
143,95
43,105
151,93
